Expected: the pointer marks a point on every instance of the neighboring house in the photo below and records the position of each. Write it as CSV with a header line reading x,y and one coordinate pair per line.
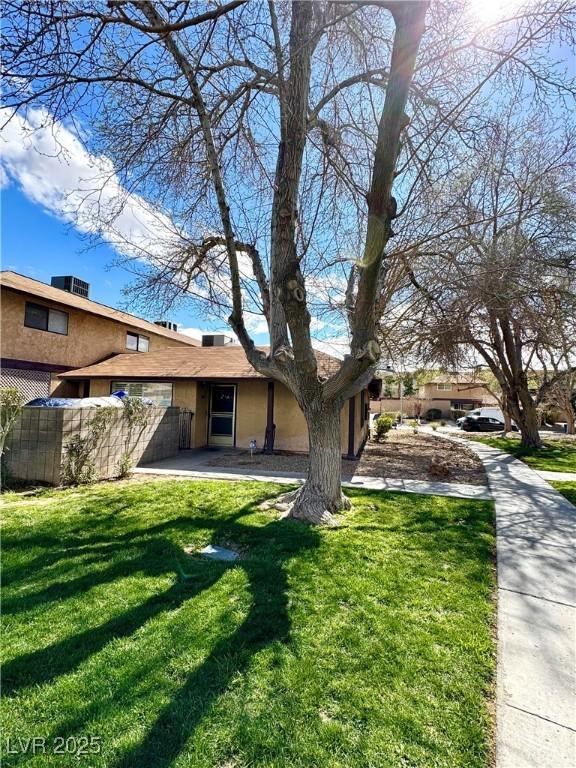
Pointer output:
x,y
231,403
450,394
46,330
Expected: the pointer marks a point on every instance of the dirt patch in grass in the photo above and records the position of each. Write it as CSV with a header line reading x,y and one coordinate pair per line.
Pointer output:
x,y
402,455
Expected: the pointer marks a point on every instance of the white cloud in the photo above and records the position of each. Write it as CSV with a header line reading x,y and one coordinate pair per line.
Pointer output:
x,y
194,333
53,169
337,346
197,333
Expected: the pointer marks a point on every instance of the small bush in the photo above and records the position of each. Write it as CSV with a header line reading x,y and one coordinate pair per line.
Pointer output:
x,y
414,424
78,465
125,465
434,426
382,426
11,403
439,468
442,423
433,414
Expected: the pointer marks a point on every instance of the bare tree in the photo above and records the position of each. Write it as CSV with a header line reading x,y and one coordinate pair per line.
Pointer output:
x,y
556,378
273,135
501,285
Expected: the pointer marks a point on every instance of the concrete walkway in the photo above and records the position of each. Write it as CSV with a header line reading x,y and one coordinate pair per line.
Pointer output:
x,y
175,468
536,677
558,476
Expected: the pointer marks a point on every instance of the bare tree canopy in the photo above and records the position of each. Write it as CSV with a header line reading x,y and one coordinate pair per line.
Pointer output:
x,y
271,137
498,283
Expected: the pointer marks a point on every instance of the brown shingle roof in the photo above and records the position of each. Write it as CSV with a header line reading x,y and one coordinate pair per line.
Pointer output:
x,y
32,287
185,363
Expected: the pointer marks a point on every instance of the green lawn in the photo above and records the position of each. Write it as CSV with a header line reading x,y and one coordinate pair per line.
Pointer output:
x,y
567,489
368,645
555,456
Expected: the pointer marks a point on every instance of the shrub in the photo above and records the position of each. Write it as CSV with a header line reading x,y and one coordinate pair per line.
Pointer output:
x,y
382,425
414,424
434,426
11,402
432,414
78,467
439,468
442,423
125,465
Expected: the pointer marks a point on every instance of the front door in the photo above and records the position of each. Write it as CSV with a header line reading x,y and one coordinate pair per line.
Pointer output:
x,y
222,414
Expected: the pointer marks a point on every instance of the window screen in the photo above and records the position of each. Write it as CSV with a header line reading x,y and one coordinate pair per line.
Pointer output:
x,y
132,341
158,391
143,343
58,322
45,319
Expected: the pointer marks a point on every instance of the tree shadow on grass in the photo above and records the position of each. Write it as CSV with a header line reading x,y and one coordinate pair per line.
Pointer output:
x,y
158,555
266,551
64,656
267,622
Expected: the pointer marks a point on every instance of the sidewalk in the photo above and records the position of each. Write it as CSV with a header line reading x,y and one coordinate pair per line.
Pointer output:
x,y
171,467
536,716
559,476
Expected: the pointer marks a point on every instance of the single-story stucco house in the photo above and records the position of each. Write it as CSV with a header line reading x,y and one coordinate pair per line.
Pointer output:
x,y
231,403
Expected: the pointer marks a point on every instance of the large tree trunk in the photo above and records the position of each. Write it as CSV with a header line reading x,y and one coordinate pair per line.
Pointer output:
x,y
528,421
506,413
569,421
321,495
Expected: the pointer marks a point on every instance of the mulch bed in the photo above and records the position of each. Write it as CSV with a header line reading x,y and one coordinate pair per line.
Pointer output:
x,y
403,454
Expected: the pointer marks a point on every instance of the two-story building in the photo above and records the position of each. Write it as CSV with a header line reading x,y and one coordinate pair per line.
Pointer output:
x,y
450,394
46,330
54,340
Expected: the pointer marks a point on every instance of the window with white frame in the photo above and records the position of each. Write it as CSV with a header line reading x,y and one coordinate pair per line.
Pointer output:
x,y
444,386
160,392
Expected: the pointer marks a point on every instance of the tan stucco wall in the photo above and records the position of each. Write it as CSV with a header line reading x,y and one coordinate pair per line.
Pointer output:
x,y
410,405
59,388
90,338
291,427
458,392
99,387
251,410
184,393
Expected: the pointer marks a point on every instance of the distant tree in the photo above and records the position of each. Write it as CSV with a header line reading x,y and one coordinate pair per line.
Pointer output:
x,y
387,387
408,385
500,284
556,379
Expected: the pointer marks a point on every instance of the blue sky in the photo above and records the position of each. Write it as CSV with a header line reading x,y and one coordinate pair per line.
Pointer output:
x,y
38,244
55,193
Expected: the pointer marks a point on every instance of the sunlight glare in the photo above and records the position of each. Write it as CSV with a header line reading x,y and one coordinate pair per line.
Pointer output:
x,y
490,11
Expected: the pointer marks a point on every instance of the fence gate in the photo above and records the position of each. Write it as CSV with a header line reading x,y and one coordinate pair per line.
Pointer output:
x,y
185,428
